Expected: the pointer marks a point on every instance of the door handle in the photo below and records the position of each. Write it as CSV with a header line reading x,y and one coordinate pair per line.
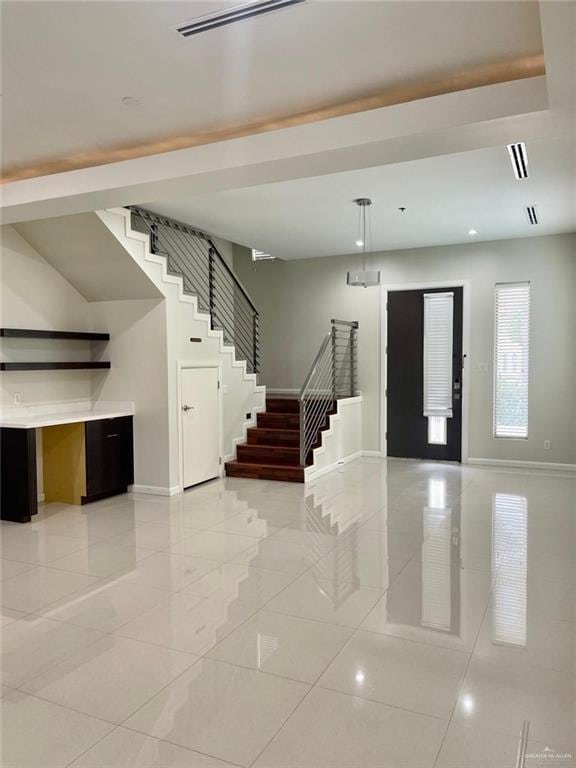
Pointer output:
x,y
186,408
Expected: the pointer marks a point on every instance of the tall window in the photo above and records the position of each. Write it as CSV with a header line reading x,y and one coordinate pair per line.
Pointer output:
x,y
511,360
438,332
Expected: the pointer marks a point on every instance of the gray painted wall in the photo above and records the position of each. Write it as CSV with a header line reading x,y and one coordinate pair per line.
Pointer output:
x,y
297,299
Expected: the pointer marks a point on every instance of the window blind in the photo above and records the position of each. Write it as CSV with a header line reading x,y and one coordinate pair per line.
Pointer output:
x,y
438,325
511,359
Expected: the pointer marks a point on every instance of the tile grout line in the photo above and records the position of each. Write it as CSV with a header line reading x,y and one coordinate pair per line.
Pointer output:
x,y
284,722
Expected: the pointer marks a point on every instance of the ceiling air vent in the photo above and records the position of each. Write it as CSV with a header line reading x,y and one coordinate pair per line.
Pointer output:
x,y
531,214
519,159
232,15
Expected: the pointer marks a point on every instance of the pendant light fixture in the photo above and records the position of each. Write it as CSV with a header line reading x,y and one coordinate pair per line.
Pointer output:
x,y
363,277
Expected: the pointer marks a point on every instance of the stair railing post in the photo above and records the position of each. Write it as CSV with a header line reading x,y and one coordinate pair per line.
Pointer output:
x,y
154,238
333,352
352,372
211,285
302,431
255,342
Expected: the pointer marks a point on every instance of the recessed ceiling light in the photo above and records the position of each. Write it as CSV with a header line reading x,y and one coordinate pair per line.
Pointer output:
x,y
472,232
519,159
359,243
131,101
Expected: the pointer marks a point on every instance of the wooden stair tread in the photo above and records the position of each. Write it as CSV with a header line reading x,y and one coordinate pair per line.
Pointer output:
x,y
273,436
266,464
279,420
255,453
283,472
273,430
281,404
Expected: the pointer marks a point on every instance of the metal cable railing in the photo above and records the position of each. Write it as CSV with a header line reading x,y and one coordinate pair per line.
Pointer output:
x,y
333,375
193,255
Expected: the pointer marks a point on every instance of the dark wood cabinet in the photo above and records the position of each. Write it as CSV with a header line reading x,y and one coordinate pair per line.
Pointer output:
x,y
103,458
109,457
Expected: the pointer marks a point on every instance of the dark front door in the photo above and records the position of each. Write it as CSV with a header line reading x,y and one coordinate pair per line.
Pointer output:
x,y
407,427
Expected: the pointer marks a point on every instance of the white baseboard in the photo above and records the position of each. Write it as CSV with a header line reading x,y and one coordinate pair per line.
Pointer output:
x,y
310,476
546,465
503,463
271,391
155,490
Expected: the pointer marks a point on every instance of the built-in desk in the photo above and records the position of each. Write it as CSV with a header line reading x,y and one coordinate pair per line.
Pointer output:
x,y
86,455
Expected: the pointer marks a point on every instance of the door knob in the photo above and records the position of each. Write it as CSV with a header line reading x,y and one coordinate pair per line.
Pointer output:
x,y
187,408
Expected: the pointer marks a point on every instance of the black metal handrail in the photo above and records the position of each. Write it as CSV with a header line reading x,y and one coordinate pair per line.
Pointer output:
x,y
192,255
332,376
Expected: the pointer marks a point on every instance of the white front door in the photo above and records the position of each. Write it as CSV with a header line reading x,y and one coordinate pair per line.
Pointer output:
x,y
200,425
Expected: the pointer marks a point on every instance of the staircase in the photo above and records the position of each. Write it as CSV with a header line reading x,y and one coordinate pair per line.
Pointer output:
x,y
272,451
282,444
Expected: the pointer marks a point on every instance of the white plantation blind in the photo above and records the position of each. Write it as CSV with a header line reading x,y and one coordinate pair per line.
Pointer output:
x,y
511,359
438,324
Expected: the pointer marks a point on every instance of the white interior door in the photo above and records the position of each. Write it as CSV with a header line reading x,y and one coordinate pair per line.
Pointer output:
x,y
200,425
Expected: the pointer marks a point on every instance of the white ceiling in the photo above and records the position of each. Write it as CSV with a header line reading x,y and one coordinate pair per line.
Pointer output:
x,y
290,191
67,65
444,197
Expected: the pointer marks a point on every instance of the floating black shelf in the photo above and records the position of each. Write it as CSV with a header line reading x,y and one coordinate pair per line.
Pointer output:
x,y
52,366
24,333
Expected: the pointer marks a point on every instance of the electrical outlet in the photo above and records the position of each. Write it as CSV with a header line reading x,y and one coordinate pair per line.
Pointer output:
x,y
547,445
17,398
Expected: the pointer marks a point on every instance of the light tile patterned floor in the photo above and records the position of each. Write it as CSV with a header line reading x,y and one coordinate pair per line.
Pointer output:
x,y
393,614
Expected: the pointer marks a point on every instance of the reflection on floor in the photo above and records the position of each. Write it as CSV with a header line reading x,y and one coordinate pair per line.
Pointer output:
x,y
394,613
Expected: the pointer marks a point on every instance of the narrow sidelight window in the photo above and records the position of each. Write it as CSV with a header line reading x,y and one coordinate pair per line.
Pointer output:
x,y
438,330
511,360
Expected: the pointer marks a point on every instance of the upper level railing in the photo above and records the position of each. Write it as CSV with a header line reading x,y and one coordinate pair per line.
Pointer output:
x,y
333,375
193,255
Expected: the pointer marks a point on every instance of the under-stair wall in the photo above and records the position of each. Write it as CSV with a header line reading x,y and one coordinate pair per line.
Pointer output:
x,y
341,442
242,398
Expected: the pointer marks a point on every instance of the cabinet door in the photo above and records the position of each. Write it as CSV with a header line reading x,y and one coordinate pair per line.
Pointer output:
x,y
109,456
18,492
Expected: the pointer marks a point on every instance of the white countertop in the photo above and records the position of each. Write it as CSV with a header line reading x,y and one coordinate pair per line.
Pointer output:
x,y
33,418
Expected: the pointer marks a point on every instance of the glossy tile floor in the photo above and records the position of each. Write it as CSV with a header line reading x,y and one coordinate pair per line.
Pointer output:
x,y
393,614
